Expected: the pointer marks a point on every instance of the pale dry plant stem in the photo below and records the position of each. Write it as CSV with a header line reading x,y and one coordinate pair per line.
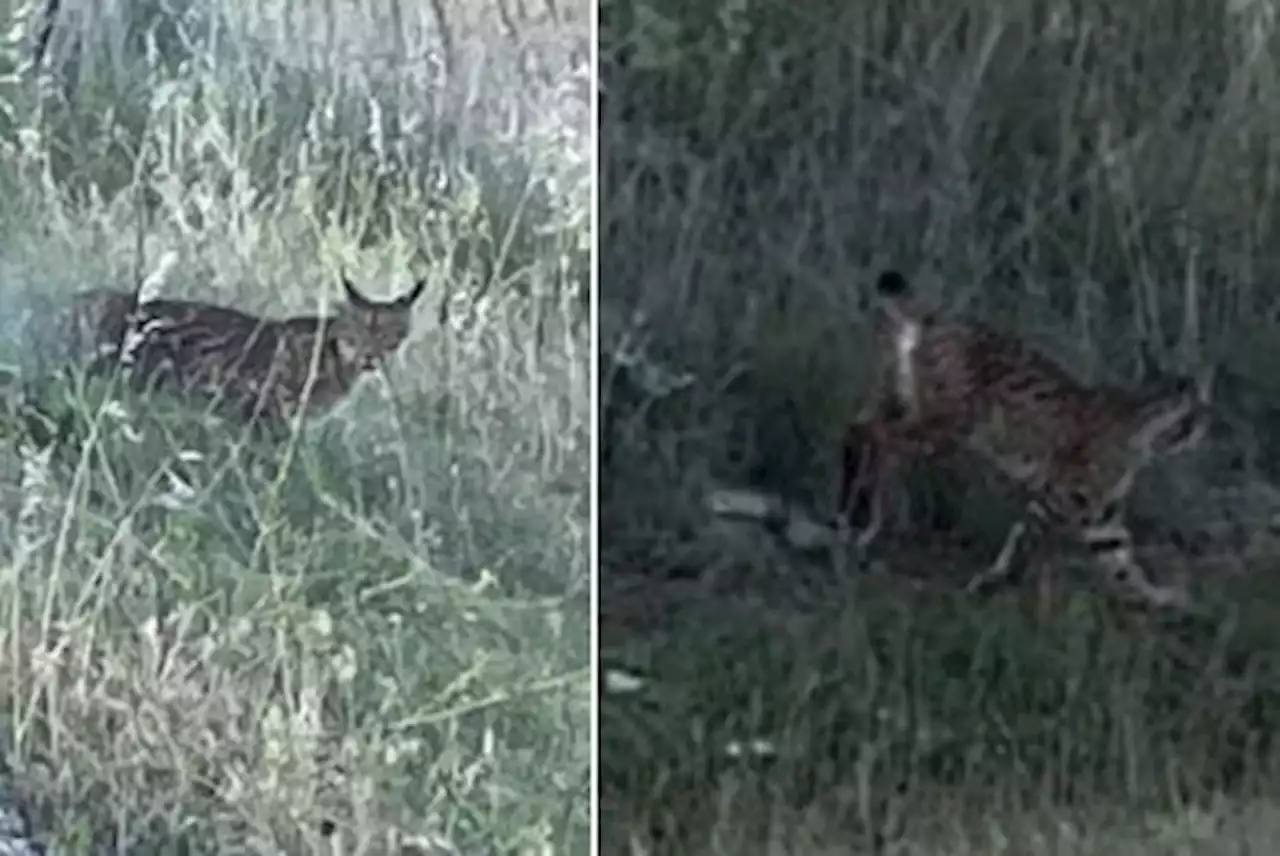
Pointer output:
x,y
33,522
41,474
270,508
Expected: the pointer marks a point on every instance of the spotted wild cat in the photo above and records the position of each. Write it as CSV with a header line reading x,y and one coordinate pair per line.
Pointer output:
x,y
1075,450
254,367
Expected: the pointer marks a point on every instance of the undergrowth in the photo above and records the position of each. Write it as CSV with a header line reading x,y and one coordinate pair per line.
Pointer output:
x,y
372,636
1094,179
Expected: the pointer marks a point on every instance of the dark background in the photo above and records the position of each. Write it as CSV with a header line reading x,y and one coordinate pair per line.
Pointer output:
x,y
1098,178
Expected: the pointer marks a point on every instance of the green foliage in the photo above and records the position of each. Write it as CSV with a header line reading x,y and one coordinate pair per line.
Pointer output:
x,y
889,696
370,635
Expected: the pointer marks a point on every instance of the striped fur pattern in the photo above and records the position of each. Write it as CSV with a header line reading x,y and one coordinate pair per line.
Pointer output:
x,y
1074,449
255,368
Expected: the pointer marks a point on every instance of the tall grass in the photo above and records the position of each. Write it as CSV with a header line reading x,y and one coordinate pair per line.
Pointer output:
x,y
374,637
1097,179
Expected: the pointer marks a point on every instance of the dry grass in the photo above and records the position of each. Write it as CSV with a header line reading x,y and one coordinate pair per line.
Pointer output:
x,y
374,637
1089,177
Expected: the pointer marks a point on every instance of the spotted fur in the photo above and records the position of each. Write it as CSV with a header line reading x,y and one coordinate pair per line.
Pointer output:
x,y
253,367
1074,449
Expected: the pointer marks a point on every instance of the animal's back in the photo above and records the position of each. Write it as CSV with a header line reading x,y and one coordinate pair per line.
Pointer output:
x,y
980,387
994,394
182,341
246,362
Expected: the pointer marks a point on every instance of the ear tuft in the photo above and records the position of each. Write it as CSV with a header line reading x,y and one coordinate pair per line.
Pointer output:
x,y
413,294
891,284
354,297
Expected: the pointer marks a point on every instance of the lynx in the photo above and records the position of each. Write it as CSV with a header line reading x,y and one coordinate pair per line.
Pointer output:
x,y
256,368
1074,449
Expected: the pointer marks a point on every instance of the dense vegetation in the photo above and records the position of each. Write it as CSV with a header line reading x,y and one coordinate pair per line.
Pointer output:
x,y
372,637
1097,178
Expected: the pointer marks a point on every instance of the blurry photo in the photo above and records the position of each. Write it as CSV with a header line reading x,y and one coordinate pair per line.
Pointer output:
x,y
937,484
296,427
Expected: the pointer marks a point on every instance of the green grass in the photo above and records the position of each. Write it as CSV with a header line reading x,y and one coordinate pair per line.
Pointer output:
x,y
903,717
1086,176
882,714
372,637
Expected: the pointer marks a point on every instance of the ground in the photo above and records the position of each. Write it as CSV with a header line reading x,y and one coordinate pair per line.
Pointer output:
x,y
775,705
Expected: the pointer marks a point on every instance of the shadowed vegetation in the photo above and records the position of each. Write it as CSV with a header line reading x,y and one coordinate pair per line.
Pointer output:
x,y
1091,178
